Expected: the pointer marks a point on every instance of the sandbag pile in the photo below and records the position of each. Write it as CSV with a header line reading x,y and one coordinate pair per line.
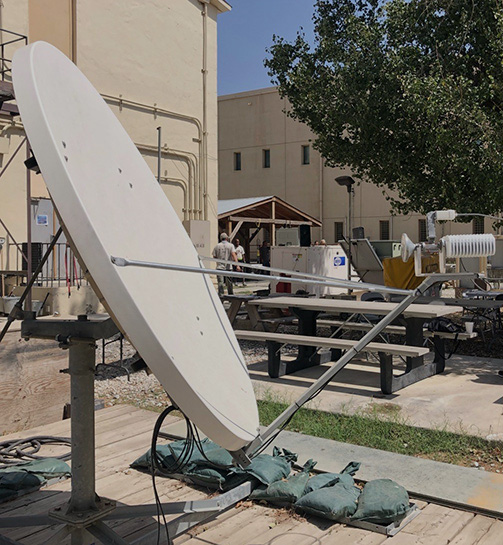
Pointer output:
x,y
24,477
214,468
334,496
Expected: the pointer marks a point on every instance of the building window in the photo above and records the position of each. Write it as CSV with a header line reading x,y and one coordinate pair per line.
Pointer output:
x,y
237,160
305,155
478,227
384,230
423,236
339,230
266,158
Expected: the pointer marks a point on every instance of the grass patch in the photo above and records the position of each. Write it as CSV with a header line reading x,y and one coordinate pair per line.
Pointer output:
x,y
384,433
380,426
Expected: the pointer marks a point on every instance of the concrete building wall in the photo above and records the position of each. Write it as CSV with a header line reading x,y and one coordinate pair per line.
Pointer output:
x,y
155,63
253,121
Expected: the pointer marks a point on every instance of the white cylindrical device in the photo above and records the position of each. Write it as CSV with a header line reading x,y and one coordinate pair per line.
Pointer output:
x,y
445,215
468,245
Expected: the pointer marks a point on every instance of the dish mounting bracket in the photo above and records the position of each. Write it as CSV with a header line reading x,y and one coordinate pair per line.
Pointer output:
x,y
85,514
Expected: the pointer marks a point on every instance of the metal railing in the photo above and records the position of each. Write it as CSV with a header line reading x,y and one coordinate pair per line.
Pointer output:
x,y
61,269
5,62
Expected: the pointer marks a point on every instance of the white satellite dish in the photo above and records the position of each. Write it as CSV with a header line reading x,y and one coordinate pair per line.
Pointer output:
x,y
110,204
408,248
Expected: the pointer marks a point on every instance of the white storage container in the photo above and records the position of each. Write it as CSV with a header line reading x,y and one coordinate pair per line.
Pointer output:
x,y
328,261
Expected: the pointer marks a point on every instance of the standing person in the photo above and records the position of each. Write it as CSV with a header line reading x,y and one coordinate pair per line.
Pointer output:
x,y
225,250
265,255
240,254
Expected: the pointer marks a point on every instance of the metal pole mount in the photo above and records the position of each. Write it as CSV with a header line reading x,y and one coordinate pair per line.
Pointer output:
x,y
84,515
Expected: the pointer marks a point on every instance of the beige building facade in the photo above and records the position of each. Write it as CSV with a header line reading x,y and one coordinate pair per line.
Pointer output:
x,y
262,151
155,63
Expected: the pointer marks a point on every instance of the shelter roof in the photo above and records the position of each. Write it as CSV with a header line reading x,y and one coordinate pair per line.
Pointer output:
x,y
260,208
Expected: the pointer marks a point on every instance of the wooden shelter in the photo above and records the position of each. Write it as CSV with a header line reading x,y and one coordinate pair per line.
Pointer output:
x,y
236,216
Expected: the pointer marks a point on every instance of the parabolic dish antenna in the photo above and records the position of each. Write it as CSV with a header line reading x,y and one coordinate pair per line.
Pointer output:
x,y
110,204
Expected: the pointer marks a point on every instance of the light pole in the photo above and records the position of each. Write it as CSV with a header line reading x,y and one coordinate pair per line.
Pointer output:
x,y
348,182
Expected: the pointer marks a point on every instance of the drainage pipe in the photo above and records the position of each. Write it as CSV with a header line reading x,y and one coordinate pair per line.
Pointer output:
x,y
180,183
159,144
174,115
191,162
203,203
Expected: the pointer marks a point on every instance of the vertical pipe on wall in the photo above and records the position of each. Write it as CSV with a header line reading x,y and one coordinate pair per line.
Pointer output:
x,y
321,197
159,152
28,306
73,29
204,205
350,228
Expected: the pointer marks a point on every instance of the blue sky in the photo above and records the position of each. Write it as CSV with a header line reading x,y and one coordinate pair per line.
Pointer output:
x,y
244,34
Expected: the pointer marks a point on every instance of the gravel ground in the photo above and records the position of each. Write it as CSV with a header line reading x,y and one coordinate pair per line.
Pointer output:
x,y
116,383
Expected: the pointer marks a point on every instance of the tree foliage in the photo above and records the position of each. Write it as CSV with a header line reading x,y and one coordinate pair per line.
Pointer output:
x,y
407,93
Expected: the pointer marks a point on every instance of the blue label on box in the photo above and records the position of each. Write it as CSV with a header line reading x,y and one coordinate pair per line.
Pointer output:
x,y
339,260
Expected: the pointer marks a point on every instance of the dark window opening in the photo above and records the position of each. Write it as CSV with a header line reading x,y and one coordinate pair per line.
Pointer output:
x,y
339,230
384,230
306,155
237,161
266,158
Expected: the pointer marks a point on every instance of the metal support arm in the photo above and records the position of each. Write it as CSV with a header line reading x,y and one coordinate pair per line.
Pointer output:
x,y
340,364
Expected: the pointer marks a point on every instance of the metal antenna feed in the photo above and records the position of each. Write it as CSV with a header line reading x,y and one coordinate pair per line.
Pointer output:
x,y
450,246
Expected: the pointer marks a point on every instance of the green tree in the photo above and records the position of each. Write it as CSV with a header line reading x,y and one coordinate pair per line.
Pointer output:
x,y
407,93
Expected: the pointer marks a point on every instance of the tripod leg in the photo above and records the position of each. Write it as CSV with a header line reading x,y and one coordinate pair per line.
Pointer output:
x,y
59,536
105,534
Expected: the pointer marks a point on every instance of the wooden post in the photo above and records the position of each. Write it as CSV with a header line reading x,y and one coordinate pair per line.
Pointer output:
x,y
273,226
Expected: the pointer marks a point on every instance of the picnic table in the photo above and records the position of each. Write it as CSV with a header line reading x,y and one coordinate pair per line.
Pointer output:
x,y
238,301
478,305
307,311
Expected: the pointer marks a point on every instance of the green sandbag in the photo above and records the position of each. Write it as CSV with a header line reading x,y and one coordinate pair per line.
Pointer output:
x,y
20,480
267,469
28,475
170,453
177,448
207,476
351,469
329,479
144,461
382,502
214,456
47,467
287,490
337,502
6,494
213,469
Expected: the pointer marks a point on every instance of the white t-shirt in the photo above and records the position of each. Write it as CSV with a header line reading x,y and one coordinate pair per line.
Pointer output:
x,y
223,250
240,252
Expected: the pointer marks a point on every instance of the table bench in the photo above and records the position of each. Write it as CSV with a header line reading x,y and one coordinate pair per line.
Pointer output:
x,y
438,337
307,310
386,351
